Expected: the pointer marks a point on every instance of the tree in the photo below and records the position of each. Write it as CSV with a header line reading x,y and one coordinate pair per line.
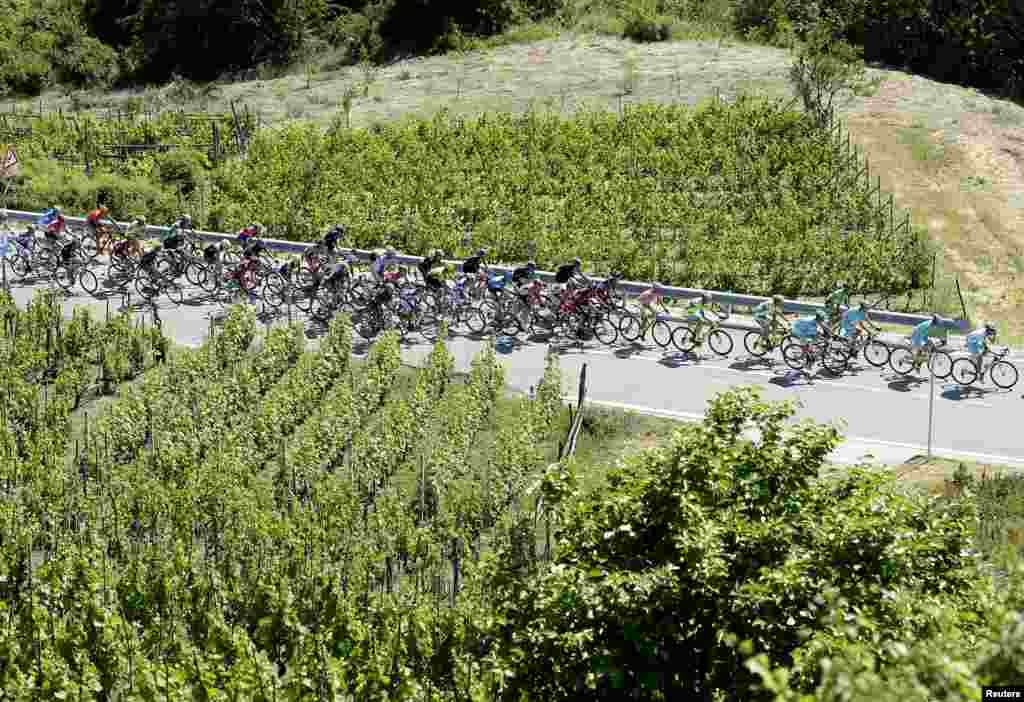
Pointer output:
x,y
727,535
825,66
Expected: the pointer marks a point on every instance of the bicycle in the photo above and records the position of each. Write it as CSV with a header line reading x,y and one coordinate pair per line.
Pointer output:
x,y
633,327
72,267
686,340
759,342
804,353
875,352
1002,373
904,361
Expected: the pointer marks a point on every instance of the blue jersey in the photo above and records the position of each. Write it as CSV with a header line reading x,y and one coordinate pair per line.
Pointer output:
x,y
805,328
850,320
920,335
976,341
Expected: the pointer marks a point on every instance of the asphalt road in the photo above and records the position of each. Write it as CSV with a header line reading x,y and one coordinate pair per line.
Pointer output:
x,y
885,417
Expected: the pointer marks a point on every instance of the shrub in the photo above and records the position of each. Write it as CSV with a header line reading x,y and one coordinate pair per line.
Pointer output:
x,y
182,168
646,29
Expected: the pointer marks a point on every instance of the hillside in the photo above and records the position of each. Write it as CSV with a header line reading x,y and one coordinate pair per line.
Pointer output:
x,y
951,156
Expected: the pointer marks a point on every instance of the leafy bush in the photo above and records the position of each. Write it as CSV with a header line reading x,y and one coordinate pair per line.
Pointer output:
x,y
729,535
182,168
646,29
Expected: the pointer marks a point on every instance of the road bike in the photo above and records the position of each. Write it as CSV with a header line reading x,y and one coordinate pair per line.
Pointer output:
x,y
634,327
875,352
804,353
686,340
1003,373
759,343
72,267
905,361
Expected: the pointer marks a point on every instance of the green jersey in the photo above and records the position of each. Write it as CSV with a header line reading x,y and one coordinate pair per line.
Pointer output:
x,y
838,297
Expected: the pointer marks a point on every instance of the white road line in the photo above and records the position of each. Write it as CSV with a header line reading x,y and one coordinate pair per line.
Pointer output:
x,y
692,416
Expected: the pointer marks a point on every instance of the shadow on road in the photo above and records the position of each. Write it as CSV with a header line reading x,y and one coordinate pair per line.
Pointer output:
x,y
675,360
905,383
969,392
751,363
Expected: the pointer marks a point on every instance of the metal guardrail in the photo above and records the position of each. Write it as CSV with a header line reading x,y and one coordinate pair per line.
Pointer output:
x,y
628,287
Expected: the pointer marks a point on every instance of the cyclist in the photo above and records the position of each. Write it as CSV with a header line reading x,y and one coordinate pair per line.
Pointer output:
x,y
837,298
854,320
173,238
919,339
571,274
807,329
333,236
134,234
697,313
427,268
770,313
473,264
327,245
382,258
648,299
52,221
979,342
94,220
338,276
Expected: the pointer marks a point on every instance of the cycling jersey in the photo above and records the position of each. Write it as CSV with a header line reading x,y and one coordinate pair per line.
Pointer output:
x,y
805,328
565,273
649,297
763,312
976,341
838,297
379,264
93,218
696,312
330,240
522,274
851,318
920,335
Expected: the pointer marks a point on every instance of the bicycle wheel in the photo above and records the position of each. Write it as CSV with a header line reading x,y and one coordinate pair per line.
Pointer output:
x,y
429,326
20,266
682,338
146,286
901,361
195,273
835,360
65,277
275,289
940,364
876,353
720,342
87,279
661,332
629,327
756,344
368,323
473,319
605,331
964,372
173,290
1004,374
794,356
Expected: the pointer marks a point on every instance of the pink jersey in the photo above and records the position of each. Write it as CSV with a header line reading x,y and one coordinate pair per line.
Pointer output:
x,y
648,297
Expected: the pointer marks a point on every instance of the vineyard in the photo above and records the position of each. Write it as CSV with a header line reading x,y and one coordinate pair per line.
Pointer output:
x,y
745,196
252,519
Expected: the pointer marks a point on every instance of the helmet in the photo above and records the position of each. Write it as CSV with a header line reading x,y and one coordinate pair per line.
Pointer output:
x,y
390,251
481,252
531,264
185,221
437,253
990,329
777,299
140,220
339,228
577,261
704,297
935,319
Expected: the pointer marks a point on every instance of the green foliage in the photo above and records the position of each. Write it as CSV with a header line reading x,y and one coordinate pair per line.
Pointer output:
x,y
824,67
720,538
728,195
643,24
975,43
181,168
